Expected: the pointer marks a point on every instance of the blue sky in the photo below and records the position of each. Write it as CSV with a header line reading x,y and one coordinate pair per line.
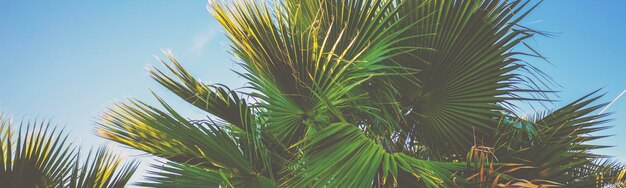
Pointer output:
x,y
68,60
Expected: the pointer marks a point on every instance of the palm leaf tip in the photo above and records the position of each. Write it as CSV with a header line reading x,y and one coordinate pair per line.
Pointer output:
x,y
103,168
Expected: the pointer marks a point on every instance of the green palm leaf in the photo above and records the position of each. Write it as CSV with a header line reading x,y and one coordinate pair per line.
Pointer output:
x,y
40,156
217,100
341,156
102,169
599,173
35,157
167,134
557,147
183,175
565,139
297,69
469,74
374,93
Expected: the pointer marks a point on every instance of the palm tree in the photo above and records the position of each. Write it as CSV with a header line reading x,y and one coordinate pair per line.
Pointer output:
x,y
373,93
40,156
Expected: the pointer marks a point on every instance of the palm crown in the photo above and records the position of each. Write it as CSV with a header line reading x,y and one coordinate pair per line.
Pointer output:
x,y
374,93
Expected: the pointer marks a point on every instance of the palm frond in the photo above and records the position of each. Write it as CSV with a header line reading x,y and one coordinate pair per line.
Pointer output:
x,y
102,169
599,173
472,70
561,144
341,156
41,156
35,157
167,134
298,69
215,99
173,174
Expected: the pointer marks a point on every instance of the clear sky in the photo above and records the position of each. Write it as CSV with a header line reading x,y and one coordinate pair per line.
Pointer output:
x,y
68,60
